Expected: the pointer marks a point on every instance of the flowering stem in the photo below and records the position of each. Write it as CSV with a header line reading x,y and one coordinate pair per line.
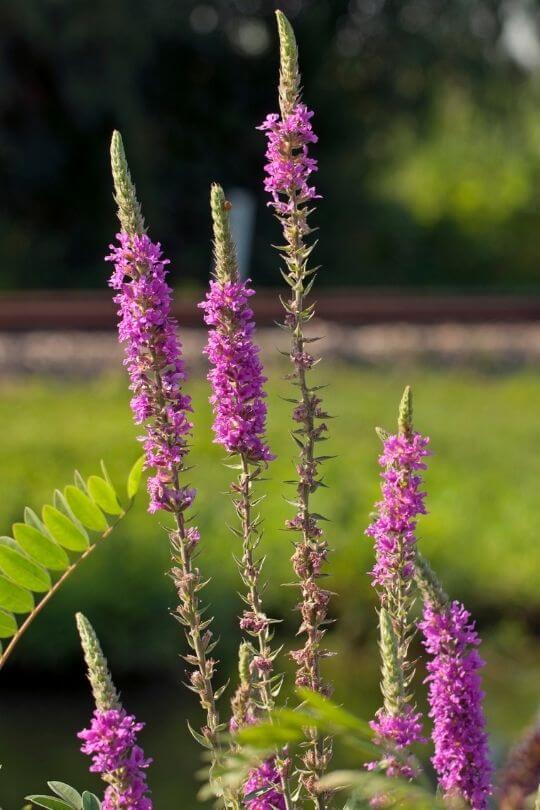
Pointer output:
x,y
461,759
154,361
188,583
250,570
111,739
397,725
287,180
238,401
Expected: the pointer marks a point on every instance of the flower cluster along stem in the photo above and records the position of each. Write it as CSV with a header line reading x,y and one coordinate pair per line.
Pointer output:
x,y
287,180
155,365
111,740
237,381
238,402
397,724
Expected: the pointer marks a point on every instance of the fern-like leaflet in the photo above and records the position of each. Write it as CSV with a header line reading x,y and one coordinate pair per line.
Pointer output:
x,y
44,551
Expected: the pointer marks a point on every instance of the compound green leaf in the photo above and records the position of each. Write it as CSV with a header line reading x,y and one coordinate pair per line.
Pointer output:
x,y
22,570
104,495
31,519
14,598
63,529
8,624
134,478
85,509
41,548
49,802
90,802
67,793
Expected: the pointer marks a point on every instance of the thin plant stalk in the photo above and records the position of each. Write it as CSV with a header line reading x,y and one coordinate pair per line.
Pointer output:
x,y
288,174
153,359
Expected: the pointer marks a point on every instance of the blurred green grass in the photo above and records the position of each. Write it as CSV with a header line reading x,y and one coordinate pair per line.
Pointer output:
x,y
481,531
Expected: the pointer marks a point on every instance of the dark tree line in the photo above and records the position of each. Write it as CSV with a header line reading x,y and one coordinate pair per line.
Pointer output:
x,y
187,82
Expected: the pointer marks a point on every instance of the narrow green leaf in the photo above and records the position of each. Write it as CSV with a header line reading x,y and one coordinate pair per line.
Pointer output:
x,y
42,549
14,598
330,712
8,624
107,478
134,478
80,483
85,509
63,530
63,506
90,802
66,792
267,735
50,802
104,495
199,737
22,570
31,519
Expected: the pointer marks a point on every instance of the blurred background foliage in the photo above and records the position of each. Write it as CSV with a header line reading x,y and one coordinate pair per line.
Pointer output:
x,y
427,112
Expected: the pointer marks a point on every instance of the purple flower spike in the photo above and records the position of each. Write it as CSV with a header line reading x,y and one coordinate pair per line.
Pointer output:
x,y
237,375
455,697
264,781
394,528
153,357
289,167
111,742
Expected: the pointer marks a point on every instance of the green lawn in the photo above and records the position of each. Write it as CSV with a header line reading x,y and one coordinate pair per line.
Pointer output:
x,y
481,533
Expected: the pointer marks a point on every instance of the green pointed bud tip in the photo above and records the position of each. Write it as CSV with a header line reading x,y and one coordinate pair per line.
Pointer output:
x,y
217,197
103,689
226,264
243,663
289,75
125,193
429,584
84,627
405,415
382,434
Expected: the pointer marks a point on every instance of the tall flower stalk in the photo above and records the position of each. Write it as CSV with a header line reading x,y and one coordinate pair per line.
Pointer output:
x,y
153,358
397,724
455,696
238,402
111,740
288,171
